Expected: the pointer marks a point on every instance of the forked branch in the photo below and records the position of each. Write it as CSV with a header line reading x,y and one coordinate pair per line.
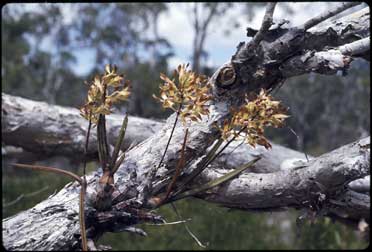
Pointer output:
x,y
266,23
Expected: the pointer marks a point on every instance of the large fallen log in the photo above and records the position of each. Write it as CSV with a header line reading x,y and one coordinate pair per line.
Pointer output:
x,y
319,185
39,127
52,130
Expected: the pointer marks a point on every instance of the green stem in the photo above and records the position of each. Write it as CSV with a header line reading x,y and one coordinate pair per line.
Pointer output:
x,y
208,161
101,135
102,141
201,166
118,144
225,146
214,183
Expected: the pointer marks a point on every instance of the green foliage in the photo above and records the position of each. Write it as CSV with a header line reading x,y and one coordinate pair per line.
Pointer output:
x,y
31,71
113,41
323,234
224,229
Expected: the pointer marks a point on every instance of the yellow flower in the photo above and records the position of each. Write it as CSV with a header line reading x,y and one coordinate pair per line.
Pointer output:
x,y
104,91
187,92
250,119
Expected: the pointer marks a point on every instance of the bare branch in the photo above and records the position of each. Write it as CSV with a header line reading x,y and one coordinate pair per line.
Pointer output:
x,y
325,62
356,48
266,23
39,127
320,182
67,121
362,185
325,175
327,14
351,205
338,32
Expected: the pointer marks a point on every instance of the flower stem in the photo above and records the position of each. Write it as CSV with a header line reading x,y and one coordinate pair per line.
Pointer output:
x,y
82,216
225,146
179,167
207,162
83,191
86,146
170,137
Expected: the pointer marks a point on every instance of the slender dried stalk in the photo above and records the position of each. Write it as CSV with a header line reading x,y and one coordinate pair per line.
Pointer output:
x,y
82,194
180,166
50,169
22,196
169,139
187,227
83,191
82,216
86,146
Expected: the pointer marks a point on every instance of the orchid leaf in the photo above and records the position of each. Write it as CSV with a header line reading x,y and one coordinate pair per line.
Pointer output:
x,y
215,182
118,143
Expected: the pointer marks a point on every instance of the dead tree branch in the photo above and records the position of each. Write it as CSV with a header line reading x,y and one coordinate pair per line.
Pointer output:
x,y
54,130
327,14
37,129
317,185
266,23
321,181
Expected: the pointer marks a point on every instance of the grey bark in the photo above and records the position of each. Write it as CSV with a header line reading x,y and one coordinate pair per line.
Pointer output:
x,y
52,225
54,130
327,14
321,183
266,23
45,134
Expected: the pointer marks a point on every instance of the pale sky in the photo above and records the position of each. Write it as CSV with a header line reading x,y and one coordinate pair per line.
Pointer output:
x,y
175,26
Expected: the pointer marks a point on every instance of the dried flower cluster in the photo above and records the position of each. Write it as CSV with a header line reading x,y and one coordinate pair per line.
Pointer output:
x,y
187,92
250,119
104,91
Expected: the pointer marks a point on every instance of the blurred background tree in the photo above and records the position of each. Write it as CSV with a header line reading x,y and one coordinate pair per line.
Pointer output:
x,y
41,55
